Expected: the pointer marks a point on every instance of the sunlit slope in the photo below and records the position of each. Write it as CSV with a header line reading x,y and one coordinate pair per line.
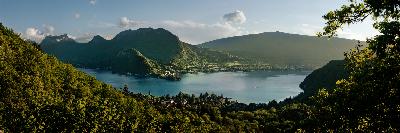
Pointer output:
x,y
284,49
40,93
167,53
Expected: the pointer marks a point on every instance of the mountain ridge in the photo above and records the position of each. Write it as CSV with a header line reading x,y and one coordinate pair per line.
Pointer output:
x,y
164,50
275,32
279,48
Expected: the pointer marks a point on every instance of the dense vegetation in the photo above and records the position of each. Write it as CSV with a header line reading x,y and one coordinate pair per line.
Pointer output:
x,y
169,57
368,100
324,77
143,52
283,49
39,93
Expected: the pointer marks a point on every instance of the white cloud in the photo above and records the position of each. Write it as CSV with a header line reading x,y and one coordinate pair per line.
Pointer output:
x,y
36,35
128,23
70,36
183,24
236,17
195,33
100,24
92,2
109,37
77,15
307,29
86,37
346,32
349,34
48,29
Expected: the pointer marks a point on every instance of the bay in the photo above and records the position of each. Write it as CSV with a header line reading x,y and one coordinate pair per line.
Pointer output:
x,y
245,87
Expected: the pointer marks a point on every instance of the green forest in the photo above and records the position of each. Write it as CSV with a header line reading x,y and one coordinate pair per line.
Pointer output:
x,y
158,53
39,93
284,49
145,52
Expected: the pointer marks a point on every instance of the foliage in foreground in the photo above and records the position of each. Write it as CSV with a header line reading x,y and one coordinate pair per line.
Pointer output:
x,y
369,100
39,93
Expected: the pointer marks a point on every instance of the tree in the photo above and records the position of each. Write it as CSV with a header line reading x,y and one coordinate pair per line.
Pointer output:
x,y
369,100
126,89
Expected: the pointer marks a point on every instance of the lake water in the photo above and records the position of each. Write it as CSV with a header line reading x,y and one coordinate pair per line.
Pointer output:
x,y
246,87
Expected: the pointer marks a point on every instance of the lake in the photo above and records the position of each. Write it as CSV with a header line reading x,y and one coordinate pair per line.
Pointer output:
x,y
246,87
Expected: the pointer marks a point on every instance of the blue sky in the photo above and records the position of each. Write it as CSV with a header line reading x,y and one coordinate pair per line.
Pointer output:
x,y
193,21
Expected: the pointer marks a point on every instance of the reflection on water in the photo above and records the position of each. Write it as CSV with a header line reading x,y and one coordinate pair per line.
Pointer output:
x,y
245,87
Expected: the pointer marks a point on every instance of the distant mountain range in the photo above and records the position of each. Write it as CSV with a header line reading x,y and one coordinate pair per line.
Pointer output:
x,y
278,48
148,52
142,52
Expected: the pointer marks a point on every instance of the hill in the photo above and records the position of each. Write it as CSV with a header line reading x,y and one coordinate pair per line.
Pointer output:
x,y
142,52
278,48
324,77
41,94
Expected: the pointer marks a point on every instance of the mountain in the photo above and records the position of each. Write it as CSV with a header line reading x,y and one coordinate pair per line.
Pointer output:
x,y
141,52
324,77
40,93
278,48
157,44
97,39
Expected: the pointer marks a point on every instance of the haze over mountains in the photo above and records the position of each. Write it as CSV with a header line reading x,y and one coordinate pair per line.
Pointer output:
x,y
280,48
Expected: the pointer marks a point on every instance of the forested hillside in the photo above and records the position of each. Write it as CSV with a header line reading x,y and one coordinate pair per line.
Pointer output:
x,y
41,94
143,52
324,77
278,48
